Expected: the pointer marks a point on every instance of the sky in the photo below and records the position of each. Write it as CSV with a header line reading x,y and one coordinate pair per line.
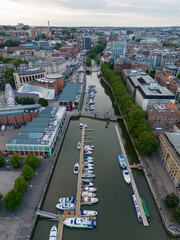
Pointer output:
x,y
120,13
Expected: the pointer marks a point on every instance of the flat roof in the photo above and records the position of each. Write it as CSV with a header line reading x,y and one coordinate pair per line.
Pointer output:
x,y
70,92
174,138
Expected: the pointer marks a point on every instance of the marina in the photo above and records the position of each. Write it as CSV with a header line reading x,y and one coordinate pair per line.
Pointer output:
x,y
108,180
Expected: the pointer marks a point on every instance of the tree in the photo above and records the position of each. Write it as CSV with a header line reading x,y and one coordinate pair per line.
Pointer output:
x,y
2,161
8,75
171,200
20,184
176,214
43,36
1,196
178,76
12,200
152,73
43,102
15,160
88,62
32,161
27,172
146,143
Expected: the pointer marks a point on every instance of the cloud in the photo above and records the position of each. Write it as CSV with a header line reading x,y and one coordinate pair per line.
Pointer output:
x,y
93,12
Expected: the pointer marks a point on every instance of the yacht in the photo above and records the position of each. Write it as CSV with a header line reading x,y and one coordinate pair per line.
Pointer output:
x,y
80,222
122,161
78,145
76,168
87,152
126,176
87,184
137,208
87,171
66,206
88,200
81,125
88,213
86,167
87,194
89,189
87,161
86,180
67,199
53,233
88,175
88,158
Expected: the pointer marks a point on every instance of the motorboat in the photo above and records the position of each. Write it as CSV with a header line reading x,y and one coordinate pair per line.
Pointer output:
x,y
87,157
53,233
88,194
126,176
89,200
136,208
88,148
87,152
88,213
86,167
87,171
87,161
145,209
87,180
91,146
86,125
86,175
66,206
78,145
89,189
91,108
67,199
85,133
87,184
88,164
76,168
80,222
122,161
81,125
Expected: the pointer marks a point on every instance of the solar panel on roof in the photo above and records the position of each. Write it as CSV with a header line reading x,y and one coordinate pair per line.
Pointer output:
x,y
35,135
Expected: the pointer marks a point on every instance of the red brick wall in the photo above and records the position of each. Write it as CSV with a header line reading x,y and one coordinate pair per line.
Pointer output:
x,y
19,119
27,117
34,114
11,119
59,85
3,120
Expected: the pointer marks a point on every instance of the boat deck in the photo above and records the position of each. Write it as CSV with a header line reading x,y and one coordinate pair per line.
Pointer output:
x,y
134,187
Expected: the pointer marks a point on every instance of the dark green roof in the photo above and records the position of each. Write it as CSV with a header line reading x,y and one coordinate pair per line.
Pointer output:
x,y
70,92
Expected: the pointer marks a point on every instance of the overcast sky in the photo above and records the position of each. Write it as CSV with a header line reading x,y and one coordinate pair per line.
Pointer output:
x,y
91,12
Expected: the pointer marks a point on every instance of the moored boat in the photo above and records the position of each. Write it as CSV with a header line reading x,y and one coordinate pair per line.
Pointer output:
x,y
87,184
81,125
80,222
87,157
87,180
126,176
145,209
87,171
87,161
89,200
89,189
136,208
78,145
53,233
122,161
87,152
88,213
67,199
88,175
87,194
86,167
66,206
76,168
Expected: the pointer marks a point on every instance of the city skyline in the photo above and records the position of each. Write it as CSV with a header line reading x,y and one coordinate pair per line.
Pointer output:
x,y
127,13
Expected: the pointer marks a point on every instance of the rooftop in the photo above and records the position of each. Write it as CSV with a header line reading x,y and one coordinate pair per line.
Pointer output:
x,y
174,138
70,92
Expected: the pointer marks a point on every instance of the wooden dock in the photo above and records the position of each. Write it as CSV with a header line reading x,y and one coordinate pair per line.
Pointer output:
x,y
78,196
135,190
60,227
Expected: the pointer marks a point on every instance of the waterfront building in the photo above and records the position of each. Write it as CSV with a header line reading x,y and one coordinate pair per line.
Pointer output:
x,y
39,136
169,151
118,48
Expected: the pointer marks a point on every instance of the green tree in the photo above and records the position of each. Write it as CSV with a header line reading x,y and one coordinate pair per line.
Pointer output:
x,y
15,160
32,161
8,75
12,200
178,76
2,161
146,143
43,36
1,196
43,102
152,73
88,62
20,184
27,172
171,200
176,214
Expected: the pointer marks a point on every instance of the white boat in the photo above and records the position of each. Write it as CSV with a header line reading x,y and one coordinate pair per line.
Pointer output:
x,y
87,152
78,145
137,208
92,146
86,167
87,161
89,189
80,222
122,161
88,157
76,168
88,164
67,199
88,213
126,176
66,206
53,233
89,200
91,108
88,175
81,125
87,172
87,194
86,125
87,148
87,180
87,184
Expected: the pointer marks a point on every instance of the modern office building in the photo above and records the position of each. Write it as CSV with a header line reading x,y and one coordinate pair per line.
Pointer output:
x,y
39,136
118,48
86,43
169,150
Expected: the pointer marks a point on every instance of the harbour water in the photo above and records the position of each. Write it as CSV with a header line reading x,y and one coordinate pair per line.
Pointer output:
x,y
116,214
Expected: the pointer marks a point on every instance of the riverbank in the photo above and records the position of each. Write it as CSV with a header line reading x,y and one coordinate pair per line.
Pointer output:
x,y
161,191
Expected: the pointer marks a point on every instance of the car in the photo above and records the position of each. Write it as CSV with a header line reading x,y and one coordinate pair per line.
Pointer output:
x,y
68,109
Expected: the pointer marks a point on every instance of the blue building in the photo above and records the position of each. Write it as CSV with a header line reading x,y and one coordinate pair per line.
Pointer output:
x,y
119,48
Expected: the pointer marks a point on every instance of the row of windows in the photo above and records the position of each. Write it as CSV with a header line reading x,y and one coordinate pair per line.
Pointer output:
x,y
30,78
27,148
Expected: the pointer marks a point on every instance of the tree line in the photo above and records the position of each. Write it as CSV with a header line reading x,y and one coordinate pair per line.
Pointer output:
x,y
93,54
139,128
